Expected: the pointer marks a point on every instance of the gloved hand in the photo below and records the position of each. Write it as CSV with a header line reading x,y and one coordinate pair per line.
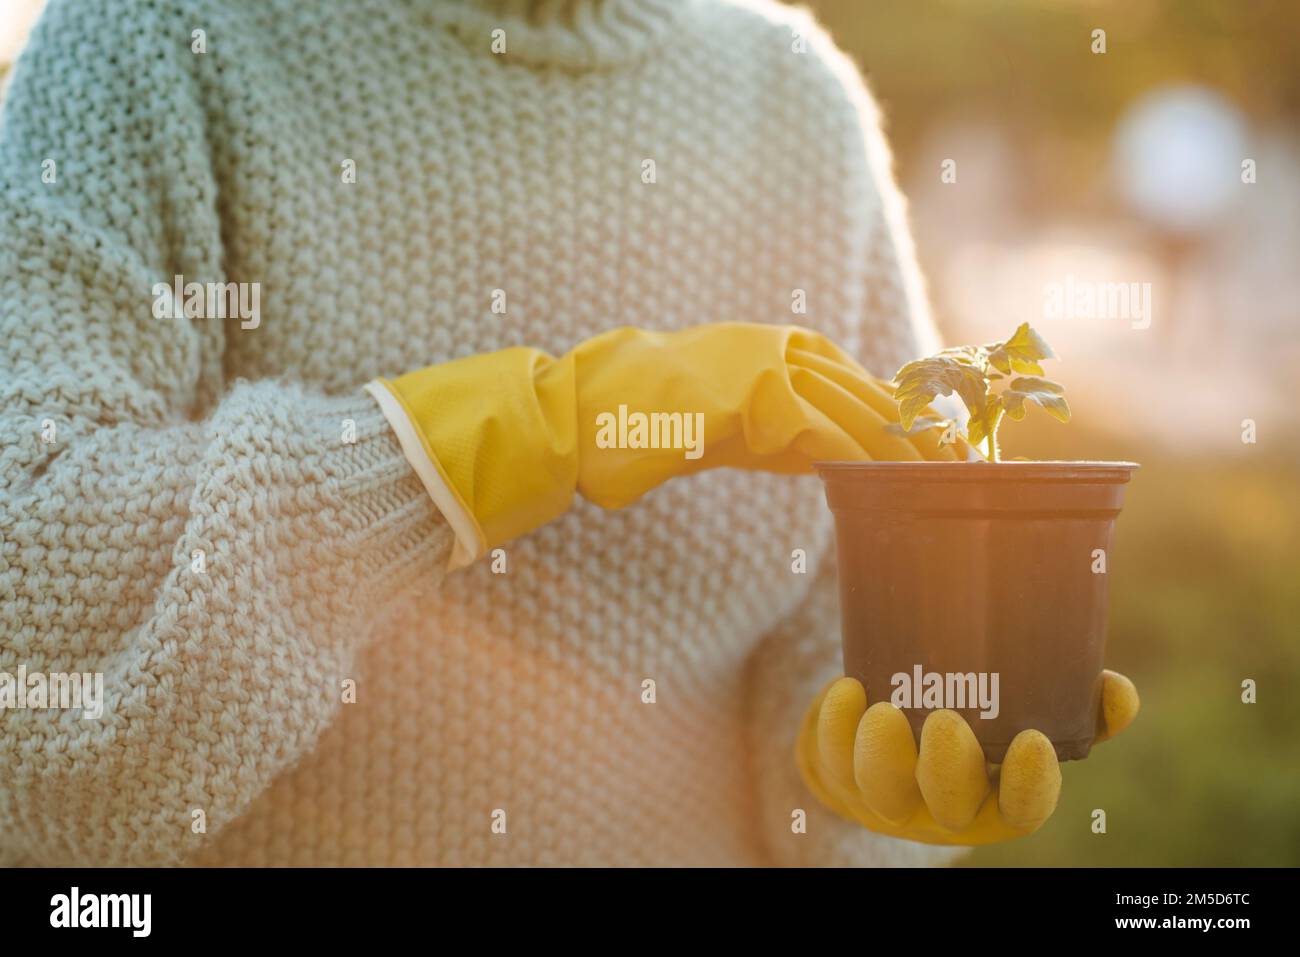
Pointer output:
x,y
863,764
503,440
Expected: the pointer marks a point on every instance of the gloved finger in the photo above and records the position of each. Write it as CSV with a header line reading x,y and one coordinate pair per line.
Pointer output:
x,y
927,443
1119,704
1030,783
884,763
802,339
837,726
852,376
864,424
782,431
950,770
806,756
873,393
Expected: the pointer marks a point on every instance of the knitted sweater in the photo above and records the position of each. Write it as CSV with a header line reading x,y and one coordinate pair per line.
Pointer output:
x,y
212,513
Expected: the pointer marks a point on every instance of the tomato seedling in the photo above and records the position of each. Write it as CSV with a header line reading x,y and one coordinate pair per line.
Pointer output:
x,y
971,371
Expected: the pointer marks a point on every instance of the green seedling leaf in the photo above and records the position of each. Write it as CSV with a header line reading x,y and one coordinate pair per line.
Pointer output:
x,y
970,372
1020,353
966,355
920,382
1033,389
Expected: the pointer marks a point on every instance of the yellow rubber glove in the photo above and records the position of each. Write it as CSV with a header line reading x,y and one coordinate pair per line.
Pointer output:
x,y
863,764
503,440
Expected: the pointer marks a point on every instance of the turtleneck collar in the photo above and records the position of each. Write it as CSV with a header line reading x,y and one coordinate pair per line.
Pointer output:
x,y
579,34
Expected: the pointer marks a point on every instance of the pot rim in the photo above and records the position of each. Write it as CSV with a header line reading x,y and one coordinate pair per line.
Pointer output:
x,y
1042,471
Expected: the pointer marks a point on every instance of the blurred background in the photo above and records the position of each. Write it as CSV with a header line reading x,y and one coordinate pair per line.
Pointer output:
x,y
1037,168
1127,167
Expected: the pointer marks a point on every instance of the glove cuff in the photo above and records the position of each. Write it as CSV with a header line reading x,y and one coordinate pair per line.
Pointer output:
x,y
471,544
493,438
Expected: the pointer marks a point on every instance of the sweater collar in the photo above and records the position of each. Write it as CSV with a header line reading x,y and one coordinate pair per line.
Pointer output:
x,y
578,34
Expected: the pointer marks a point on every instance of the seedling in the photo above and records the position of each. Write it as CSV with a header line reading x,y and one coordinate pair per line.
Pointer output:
x,y
970,371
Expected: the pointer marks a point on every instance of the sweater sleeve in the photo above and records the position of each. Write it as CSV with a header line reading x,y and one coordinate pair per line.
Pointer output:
x,y
798,658
216,554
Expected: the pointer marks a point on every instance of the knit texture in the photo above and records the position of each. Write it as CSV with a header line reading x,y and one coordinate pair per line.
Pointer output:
x,y
218,519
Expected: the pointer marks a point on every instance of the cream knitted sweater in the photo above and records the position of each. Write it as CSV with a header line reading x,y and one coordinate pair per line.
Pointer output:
x,y
184,509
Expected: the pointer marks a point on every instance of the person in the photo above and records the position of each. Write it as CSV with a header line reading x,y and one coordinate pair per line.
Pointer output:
x,y
308,312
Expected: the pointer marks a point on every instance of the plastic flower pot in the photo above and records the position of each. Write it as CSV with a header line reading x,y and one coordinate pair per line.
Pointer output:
x,y
969,568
